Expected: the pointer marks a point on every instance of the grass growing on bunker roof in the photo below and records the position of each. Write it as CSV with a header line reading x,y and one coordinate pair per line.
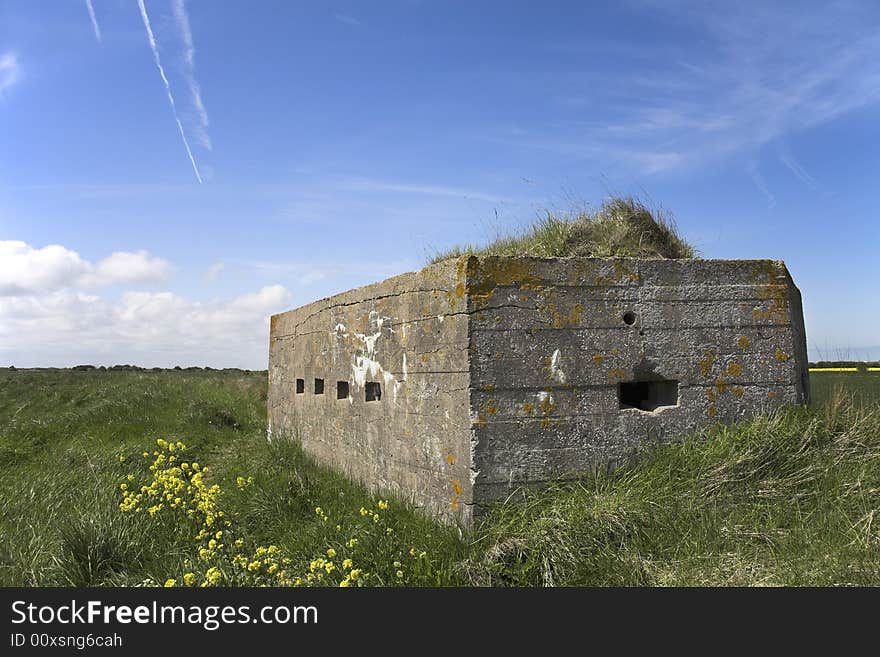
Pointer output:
x,y
621,227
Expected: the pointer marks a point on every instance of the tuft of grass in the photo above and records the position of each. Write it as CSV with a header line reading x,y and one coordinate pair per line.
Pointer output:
x,y
621,227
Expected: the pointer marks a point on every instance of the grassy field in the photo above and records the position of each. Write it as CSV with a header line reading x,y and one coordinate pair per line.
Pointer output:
x,y
792,498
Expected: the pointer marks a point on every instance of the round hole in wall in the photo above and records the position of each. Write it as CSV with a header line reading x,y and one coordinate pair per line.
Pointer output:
x,y
629,318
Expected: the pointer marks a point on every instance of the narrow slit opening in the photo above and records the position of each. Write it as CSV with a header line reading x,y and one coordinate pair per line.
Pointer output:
x,y
373,391
648,395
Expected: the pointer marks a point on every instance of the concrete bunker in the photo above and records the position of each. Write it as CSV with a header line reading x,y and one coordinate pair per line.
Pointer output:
x,y
474,377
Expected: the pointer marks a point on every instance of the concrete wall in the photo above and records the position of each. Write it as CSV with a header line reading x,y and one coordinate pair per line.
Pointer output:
x,y
409,334
550,346
498,373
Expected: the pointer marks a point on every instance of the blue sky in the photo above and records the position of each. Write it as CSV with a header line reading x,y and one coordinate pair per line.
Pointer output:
x,y
338,143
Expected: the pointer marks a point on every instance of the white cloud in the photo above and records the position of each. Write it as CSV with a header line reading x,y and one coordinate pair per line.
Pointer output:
x,y
139,267
28,270
49,317
24,269
10,72
67,327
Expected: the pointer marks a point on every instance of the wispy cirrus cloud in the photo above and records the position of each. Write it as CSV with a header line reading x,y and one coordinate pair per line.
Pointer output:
x,y
10,73
348,19
95,26
158,60
417,189
758,77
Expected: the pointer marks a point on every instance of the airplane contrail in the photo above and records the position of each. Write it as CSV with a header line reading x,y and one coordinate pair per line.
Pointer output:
x,y
155,50
94,20
182,19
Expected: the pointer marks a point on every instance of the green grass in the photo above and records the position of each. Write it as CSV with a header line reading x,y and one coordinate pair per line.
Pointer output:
x,y
790,498
621,227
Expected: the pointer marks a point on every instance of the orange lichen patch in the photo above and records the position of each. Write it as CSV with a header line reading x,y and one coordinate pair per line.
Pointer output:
x,y
617,374
450,458
564,320
781,356
456,486
744,342
490,272
738,392
710,393
734,369
771,394
720,385
547,405
488,387
706,363
712,411
528,408
489,408
597,359
774,289
621,272
453,503
499,355
481,299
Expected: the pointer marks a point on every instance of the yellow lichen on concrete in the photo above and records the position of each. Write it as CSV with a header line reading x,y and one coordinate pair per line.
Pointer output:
x,y
597,359
744,342
712,411
734,369
706,363
450,458
621,271
781,356
617,374
528,408
489,408
773,288
547,405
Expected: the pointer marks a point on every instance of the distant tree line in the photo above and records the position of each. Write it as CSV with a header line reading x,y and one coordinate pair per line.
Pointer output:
x,y
858,364
137,368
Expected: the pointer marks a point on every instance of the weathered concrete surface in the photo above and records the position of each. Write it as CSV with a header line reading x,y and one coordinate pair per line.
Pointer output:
x,y
498,373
